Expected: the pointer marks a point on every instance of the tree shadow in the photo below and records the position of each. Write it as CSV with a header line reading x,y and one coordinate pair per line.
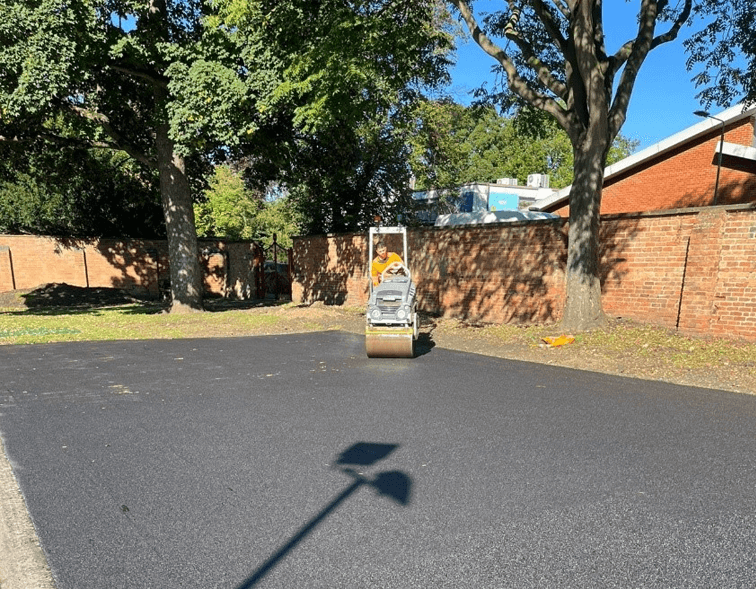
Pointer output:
x,y
617,234
395,485
137,266
67,295
493,273
66,299
729,193
331,269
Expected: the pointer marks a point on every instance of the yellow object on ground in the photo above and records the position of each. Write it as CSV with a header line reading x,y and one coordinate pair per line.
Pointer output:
x,y
555,342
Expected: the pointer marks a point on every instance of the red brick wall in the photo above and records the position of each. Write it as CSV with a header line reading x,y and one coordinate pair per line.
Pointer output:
x,y
692,270
684,177
479,273
507,274
27,261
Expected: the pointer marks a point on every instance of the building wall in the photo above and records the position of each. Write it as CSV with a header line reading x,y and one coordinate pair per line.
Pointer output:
x,y
692,270
684,177
138,266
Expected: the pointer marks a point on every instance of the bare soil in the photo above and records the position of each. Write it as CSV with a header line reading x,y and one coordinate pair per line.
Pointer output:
x,y
64,295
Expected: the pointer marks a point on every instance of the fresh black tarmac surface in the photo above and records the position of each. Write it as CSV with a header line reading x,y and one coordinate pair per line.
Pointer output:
x,y
296,462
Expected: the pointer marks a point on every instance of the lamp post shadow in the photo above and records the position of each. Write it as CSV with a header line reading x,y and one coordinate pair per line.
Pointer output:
x,y
393,484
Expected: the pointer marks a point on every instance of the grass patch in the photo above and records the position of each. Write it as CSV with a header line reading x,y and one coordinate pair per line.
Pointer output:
x,y
40,331
127,322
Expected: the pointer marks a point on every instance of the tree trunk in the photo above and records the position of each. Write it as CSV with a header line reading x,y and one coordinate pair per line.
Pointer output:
x,y
183,255
176,194
583,309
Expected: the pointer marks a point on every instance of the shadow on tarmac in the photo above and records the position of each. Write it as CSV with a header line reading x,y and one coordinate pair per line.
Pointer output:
x,y
424,344
393,484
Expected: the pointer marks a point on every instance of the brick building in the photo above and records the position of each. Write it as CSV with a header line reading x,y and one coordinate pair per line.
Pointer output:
x,y
681,171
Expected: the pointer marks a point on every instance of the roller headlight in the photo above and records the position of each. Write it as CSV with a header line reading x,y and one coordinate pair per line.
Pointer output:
x,y
401,314
375,313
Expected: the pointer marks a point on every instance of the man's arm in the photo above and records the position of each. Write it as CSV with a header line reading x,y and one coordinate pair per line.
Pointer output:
x,y
374,273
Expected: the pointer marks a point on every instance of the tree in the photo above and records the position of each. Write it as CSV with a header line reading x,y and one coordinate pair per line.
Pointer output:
x,y
440,146
228,209
335,122
279,217
338,179
726,77
232,210
79,193
74,74
163,80
456,145
555,59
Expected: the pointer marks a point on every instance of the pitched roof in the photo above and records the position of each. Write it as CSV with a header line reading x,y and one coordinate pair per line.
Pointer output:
x,y
731,115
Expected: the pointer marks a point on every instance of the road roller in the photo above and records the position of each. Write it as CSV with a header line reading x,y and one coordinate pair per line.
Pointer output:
x,y
391,319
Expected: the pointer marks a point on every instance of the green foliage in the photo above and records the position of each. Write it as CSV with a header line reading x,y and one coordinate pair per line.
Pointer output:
x,y
456,145
337,179
621,148
440,148
108,73
78,192
332,121
339,61
279,217
282,81
233,211
724,51
73,76
228,209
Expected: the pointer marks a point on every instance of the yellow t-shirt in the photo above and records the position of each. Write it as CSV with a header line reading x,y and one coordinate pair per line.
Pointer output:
x,y
379,265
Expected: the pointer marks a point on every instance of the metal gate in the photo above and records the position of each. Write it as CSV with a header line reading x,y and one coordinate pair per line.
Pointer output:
x,y
273,270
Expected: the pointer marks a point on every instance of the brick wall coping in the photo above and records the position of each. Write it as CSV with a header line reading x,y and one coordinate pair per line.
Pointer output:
x,y
678,212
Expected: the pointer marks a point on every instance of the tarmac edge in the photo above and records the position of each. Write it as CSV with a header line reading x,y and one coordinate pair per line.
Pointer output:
x,y
23,564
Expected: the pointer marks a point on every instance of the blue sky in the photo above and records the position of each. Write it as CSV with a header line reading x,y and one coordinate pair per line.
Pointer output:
x,y
664,97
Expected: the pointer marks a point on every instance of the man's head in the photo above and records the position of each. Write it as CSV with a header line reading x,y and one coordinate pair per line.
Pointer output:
x,y
381,250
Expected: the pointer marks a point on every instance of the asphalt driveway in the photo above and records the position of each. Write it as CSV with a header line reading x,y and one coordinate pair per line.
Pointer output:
x,y
296,462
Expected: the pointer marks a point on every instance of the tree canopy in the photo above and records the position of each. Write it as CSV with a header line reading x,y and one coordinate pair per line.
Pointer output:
x,y
98,74
339,61
77,192
232,210
333,131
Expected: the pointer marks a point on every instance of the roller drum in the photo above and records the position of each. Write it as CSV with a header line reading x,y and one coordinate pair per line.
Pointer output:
x,y
389,344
